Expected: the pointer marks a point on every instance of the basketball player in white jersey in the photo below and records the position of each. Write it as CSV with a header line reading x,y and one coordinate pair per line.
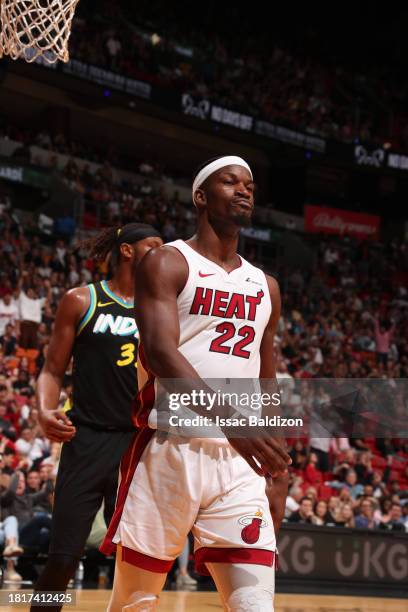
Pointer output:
x,y
203,312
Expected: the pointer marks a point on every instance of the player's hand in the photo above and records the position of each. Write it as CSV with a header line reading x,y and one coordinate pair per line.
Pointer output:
x,y
267,452
56,425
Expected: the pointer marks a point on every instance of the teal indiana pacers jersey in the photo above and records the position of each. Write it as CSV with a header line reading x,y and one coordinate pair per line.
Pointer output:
x,y
105,359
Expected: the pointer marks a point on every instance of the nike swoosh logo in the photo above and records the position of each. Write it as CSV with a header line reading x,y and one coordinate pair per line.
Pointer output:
x,y
204,275
102,304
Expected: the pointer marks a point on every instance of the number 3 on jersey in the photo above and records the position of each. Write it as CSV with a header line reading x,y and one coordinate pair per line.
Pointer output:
x,y
228,331
127,355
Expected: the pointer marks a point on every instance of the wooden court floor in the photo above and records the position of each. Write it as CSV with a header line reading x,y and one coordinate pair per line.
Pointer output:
x,y
181,601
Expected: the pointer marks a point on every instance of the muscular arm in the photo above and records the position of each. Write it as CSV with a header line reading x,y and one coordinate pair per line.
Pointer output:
x,y
276,486
55,423
161,276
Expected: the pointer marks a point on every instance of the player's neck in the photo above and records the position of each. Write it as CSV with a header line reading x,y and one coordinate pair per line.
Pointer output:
x,y
221,248
122,282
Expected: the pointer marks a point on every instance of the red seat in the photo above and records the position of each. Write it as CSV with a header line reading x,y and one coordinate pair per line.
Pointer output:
x,y
325,492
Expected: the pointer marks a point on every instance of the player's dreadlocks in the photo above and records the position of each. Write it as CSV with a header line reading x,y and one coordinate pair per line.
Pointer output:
x,y
106,245
101,246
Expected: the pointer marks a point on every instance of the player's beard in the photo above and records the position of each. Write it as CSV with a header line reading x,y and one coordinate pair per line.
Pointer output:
x,y
238,219
242,220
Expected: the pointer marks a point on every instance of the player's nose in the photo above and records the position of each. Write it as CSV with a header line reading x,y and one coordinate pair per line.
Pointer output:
x,y
242,190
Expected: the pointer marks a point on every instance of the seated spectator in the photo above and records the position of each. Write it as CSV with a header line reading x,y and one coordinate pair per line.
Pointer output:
x,y
292,500
321,447
320,513
30,308
31,446
333,510
345,496
6,426
312,475
379,487
22,384
404,518
305,512
311,493
394,488
350,483
16,501
298,455
44,478
365,517
8,341
9,460
393,521
33,482
363,468
345,516
8,313
385,504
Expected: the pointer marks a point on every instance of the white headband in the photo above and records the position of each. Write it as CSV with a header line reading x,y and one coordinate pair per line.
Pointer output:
x,y
228,160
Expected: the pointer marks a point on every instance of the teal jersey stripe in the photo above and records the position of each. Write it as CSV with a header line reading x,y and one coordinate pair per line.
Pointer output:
x,y
115,297
89,313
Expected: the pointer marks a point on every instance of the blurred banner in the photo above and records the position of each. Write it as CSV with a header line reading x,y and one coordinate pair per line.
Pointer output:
x,y
325,220
324,559
205,109
24,174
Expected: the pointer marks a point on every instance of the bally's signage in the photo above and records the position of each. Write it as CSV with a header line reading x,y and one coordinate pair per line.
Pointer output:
x,y
322,219
369,157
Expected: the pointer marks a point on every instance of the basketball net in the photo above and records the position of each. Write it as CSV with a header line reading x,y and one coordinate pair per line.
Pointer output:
x,y
36,28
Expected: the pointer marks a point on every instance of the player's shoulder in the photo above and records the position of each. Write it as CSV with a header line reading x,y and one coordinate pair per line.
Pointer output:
x,y
163,257
76,299
164,266
272,284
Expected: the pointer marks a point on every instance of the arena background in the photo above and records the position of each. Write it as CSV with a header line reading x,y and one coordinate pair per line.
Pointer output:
x,y
316,101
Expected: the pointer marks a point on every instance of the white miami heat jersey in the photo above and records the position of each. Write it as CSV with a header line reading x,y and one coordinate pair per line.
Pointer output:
x,y
222,316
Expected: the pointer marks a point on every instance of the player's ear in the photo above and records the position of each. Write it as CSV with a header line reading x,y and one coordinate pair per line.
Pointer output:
x,y
126,250
200,199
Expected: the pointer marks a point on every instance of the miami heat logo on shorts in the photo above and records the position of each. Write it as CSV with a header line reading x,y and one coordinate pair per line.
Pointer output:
x,y
253,523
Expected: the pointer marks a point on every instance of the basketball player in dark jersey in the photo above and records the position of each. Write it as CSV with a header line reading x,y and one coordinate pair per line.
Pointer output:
x,y
95,326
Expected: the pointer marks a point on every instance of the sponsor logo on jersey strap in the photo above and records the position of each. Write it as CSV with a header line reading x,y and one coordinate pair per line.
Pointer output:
x,y
253,523
249,280
102,304
203,274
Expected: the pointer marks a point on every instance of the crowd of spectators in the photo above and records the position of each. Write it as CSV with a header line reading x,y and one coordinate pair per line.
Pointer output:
x,y
258,76
345,318
360,489
348,316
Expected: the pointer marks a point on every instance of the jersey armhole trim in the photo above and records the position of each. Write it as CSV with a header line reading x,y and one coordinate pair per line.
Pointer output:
x,y
90,312
269,293
174,246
